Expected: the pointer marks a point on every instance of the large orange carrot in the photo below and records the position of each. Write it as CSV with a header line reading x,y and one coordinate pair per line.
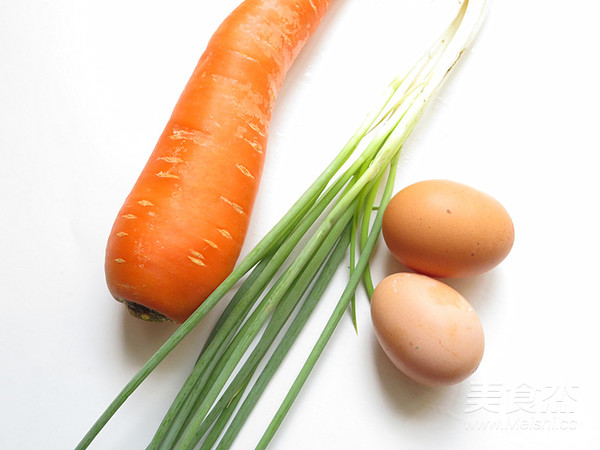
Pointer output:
x,y
182,227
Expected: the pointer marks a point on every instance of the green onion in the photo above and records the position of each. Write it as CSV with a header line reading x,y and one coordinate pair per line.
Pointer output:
x,y
332,215
335,317
288,339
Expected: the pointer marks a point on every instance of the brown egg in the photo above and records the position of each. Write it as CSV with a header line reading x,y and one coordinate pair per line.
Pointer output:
x,y
427,329
447,229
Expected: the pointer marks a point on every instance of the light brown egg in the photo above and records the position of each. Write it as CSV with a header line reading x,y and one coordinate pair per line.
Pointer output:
x,y
427,329
447,229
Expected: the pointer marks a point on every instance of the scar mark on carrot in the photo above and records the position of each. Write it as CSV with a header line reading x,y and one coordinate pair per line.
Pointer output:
x,y
119,260
215,121
188,135
166,175
231,81
196,261
197,254
255,128
145,203
246,56
129,216
313,7
244,170
122,234
225,233
255,145
235,206
211,243
171,159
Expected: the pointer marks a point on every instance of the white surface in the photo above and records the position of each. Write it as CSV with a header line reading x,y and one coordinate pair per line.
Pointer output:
x,y
86,88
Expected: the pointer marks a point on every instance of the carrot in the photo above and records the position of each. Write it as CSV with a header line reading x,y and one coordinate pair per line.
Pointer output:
x,y
181,229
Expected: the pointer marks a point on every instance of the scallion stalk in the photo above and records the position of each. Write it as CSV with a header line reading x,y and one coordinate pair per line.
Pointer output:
x,y
336,316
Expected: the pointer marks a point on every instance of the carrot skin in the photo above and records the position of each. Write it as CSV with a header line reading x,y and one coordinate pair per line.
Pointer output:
x,y
181,229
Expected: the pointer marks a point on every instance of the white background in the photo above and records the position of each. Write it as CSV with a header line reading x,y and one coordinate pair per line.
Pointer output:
x,y
85,90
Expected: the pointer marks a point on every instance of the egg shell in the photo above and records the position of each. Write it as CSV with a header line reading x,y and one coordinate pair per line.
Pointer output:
x,y
446,229
427,329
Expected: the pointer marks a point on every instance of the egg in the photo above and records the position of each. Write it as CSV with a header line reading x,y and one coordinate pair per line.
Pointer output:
x,y
427,329
446,229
